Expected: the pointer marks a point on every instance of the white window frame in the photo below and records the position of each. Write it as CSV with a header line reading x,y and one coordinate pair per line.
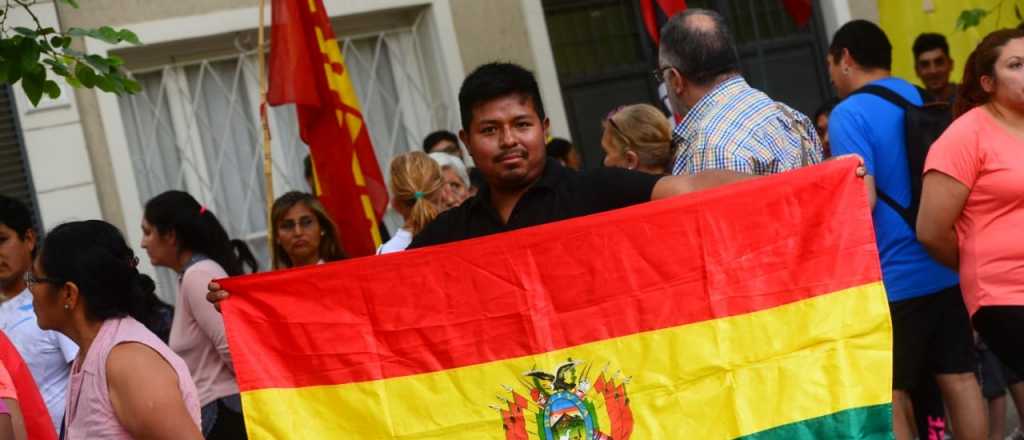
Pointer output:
x,y
438,13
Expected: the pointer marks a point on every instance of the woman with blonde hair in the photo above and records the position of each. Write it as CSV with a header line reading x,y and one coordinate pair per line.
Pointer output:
x,y
418,193
638,137
303,233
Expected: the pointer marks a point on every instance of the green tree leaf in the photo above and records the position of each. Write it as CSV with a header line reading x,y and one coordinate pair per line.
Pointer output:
x,y
51,88
106,34
132,86
73,3
31,33
32,84
970,18
57,66
29,54
85,75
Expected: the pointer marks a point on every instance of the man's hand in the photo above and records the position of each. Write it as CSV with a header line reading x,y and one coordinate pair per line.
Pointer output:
x,y
216,295
861,169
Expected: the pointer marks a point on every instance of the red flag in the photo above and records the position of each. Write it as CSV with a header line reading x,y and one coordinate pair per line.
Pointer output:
x,y
657,12
38,424
307,69
800,10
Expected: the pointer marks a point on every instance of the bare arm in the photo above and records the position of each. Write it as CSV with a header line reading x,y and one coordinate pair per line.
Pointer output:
x,y
145,395
671,186
13,426
869,185
942,201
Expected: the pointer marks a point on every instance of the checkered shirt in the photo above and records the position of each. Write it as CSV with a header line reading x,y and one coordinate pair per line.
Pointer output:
x,y
739,128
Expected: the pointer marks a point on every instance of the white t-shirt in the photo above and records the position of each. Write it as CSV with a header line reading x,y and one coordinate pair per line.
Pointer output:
x,y
397,243
48,354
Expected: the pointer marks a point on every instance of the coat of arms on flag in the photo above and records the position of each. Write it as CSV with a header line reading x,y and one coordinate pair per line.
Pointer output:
x,y
569,402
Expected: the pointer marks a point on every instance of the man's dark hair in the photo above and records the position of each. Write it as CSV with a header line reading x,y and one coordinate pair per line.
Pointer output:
x,y
436,137
559,148
930,41
866,43
497,80
698,43
15,215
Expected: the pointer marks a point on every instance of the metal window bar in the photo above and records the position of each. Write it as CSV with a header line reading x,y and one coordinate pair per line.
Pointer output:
x,y
211,161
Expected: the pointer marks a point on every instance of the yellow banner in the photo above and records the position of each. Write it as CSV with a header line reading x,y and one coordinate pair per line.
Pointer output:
x,y
904,20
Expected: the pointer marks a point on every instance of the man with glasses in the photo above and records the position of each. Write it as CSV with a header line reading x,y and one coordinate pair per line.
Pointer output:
x,y
47,353
726,123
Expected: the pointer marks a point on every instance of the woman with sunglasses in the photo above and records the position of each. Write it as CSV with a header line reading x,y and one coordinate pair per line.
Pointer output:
x,y
125,382
303,232
638,137
180,234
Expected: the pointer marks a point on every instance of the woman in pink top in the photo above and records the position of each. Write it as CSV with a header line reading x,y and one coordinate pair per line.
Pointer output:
x,y
181,234
972,205
125,382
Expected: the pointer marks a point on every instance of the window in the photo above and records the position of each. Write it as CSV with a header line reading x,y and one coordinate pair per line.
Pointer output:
x,y
15,180
195,127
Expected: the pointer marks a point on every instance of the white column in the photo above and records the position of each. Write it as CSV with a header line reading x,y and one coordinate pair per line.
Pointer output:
x,y
547,74
835,14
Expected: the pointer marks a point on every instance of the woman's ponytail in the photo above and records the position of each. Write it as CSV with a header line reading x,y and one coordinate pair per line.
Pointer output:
x,y
417,183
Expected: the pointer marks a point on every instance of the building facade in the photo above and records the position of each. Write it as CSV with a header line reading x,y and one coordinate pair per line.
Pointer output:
x,y
195,124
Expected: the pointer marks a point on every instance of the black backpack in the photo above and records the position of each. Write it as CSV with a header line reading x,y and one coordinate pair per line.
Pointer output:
x,y
922,126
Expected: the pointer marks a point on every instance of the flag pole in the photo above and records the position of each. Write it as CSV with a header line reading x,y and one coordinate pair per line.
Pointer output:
x,y
267,158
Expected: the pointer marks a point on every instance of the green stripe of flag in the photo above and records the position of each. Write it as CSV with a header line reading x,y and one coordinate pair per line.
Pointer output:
x,y
865,423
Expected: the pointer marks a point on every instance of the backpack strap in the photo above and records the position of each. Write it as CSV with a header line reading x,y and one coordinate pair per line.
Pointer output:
x,y
901,102
886,94
904,213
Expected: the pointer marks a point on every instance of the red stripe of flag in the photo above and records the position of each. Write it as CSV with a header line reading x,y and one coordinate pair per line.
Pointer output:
x,y
392,316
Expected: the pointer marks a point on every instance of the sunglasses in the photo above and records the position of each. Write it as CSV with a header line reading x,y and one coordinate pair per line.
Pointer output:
x,y
611,121
659,74
31,280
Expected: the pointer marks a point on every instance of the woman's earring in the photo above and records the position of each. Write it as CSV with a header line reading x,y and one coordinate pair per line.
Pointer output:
x,y
67,306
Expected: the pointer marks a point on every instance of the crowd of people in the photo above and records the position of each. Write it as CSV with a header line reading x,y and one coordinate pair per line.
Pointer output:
x,y
109,360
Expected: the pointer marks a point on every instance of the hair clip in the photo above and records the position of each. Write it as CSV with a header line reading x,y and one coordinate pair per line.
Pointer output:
x,y
202,210
418,195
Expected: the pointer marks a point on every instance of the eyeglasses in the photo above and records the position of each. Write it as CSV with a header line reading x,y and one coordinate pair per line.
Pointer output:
x,y
659,73
31,280
304,223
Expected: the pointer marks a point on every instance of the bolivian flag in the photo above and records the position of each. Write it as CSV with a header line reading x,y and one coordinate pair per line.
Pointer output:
x,y
752,311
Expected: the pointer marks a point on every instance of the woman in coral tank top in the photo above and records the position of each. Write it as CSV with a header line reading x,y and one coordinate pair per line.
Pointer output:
x,y
125,383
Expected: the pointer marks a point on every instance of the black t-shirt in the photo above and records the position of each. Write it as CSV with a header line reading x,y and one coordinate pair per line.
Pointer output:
x,y
560,194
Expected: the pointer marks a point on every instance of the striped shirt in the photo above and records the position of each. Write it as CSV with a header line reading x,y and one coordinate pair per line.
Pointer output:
x,y
739,128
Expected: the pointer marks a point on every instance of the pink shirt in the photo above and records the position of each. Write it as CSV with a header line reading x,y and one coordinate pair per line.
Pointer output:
x,y
197,334
88,414
978,152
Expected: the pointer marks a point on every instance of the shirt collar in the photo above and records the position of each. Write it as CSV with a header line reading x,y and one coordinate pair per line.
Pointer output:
x,y
715,97
191,262
552,175
718,95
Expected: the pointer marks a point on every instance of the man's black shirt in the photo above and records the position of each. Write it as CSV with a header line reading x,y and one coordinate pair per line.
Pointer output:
x,y
560,194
